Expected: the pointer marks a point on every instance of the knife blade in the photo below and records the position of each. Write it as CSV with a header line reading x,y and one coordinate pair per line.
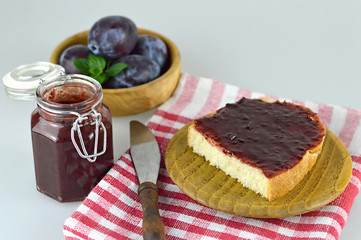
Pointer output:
x,y
144,151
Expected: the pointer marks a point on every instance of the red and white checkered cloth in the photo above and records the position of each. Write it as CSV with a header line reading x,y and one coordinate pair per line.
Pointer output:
x,y
112,210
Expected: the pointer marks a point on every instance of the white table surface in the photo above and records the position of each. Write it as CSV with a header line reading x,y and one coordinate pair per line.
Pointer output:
x,y
308,50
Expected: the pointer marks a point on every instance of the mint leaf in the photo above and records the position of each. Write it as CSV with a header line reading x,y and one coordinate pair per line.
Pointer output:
x,y
100,78
82,64
115,69
97,71
96,61
98,68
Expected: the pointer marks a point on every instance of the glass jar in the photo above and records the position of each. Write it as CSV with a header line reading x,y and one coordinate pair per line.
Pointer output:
x,y
71,132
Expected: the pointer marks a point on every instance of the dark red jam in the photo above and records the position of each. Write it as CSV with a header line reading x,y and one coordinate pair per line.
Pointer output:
x,y
270,136
60,172
68,97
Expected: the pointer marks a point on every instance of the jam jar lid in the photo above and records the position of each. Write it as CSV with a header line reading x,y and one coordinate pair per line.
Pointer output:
x,y
21,83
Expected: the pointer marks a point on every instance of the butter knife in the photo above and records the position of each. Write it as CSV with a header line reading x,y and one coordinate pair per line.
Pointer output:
x,y
144,150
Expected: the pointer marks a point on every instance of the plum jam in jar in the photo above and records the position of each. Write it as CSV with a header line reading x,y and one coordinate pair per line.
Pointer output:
x,y
71,128
71,132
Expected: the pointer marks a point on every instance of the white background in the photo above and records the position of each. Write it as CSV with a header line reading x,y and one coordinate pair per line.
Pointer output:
x,y
307,50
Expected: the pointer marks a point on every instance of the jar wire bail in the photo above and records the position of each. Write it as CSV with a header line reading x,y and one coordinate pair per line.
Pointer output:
x,y
78,123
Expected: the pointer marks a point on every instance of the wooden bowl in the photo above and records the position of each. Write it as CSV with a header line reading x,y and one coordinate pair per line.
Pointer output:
x,y
133,100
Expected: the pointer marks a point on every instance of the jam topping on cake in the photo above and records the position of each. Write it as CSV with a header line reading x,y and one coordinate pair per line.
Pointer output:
x,y
271,136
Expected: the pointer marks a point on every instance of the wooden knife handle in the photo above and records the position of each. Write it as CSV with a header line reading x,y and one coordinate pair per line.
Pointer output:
x,y
153,227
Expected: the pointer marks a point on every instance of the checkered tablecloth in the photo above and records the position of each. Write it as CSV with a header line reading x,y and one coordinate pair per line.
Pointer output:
x,y
112,210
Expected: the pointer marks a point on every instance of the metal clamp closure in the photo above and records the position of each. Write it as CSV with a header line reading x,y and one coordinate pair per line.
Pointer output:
x,y
95,119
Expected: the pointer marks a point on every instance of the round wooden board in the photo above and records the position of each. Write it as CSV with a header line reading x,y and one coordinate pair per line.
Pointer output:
x,y
212,187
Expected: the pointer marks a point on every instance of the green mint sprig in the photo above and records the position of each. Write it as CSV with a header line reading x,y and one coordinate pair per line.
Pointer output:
x,y
98,68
